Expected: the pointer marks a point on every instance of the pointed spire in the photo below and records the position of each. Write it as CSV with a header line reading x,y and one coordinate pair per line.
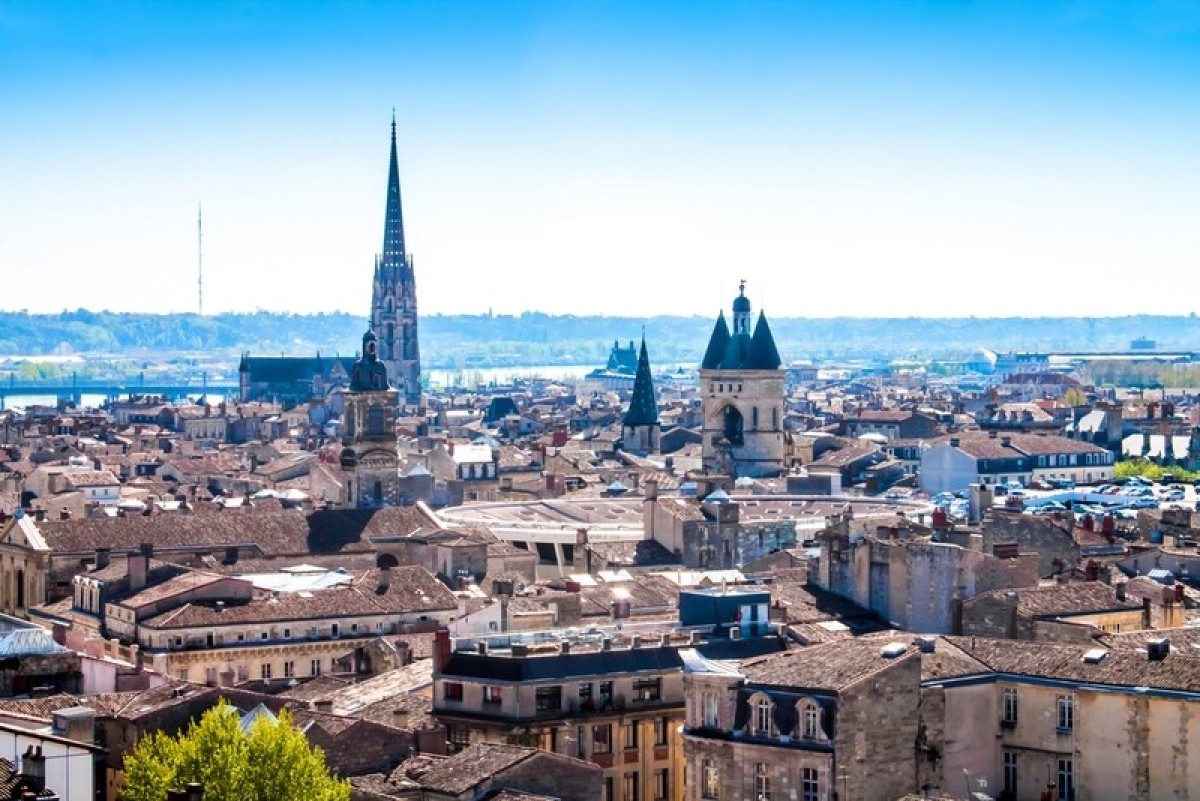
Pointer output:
x,y
643,408
716,344
393,226
763,354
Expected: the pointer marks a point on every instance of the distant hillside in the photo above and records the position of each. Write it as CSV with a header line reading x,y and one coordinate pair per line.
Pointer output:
x,y
533,338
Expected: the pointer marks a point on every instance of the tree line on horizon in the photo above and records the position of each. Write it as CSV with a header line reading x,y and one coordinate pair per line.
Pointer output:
x,y
466,341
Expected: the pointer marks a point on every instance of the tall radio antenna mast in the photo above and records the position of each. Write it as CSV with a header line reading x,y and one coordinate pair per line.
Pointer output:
x,y
199,260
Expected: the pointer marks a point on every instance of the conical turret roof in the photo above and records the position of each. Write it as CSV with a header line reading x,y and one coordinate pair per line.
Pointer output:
x,y
643,408
716,344
763,354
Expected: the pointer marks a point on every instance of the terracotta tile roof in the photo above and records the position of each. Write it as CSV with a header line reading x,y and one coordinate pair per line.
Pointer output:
x,y
1120,668
274,531
833,666
89,478
983,446
949,661
472,766
412,589
1061,600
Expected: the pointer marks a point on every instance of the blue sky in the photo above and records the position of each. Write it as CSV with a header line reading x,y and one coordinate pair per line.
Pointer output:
x,y
874,158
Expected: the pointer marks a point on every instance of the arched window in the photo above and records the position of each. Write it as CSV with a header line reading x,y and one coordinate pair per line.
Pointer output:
x,y
810,721
762,715
732,425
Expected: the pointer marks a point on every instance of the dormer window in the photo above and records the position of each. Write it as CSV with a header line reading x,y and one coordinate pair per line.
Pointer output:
x,y
762,715
709,710
810,720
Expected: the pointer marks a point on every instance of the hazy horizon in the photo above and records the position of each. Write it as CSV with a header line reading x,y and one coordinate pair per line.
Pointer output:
x,y
524,312
867,160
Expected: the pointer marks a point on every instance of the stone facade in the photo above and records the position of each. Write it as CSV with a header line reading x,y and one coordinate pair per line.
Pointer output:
x,y
742,390
778,737
913,583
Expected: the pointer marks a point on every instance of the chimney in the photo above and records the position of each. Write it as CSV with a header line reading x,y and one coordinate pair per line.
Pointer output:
x,y
442,649
231,555
139,566
103,555
1006,442
64,513
1157,649
651,491
1120,590
33,768
385,579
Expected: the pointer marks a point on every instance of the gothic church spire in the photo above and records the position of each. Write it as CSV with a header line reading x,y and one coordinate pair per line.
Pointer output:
x,y
393,226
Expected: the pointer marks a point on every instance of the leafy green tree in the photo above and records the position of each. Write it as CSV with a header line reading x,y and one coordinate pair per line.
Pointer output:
x,y
271,762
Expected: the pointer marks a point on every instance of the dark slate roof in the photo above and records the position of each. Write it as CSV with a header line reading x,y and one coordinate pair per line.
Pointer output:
x,y
643,408
741,351
763,353
286,369
716,344
658,659
491,667
736,351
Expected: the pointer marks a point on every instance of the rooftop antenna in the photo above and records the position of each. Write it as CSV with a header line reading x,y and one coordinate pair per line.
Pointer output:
x,y
199,260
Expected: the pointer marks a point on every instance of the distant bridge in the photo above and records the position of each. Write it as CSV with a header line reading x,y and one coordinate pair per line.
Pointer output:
x,y
76,390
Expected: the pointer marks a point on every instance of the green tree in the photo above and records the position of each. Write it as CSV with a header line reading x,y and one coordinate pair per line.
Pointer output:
x,y
271,762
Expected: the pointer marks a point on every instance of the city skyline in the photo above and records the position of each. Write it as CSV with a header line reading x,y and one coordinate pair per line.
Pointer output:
x,y
949,160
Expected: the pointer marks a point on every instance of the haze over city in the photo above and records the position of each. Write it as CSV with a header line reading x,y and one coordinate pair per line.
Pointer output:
x,y
882,159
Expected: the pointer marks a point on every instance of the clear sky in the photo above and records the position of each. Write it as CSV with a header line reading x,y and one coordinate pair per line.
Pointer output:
x,y
876,158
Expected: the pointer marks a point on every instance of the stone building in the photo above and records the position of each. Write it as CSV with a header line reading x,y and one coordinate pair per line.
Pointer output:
x,y
612,698
829,721
394,296
1036,720
913,579
24,564
1069,612
290,380
369,458
742,390
712,534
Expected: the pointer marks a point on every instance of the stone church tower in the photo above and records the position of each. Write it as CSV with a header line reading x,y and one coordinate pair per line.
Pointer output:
x,y
394,296
370,461
742,387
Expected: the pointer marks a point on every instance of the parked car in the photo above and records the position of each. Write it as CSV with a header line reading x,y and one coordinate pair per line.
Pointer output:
x,y
1143,503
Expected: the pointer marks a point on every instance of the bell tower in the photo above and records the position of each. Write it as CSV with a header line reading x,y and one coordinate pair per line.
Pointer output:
x,y
742,390
369,459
